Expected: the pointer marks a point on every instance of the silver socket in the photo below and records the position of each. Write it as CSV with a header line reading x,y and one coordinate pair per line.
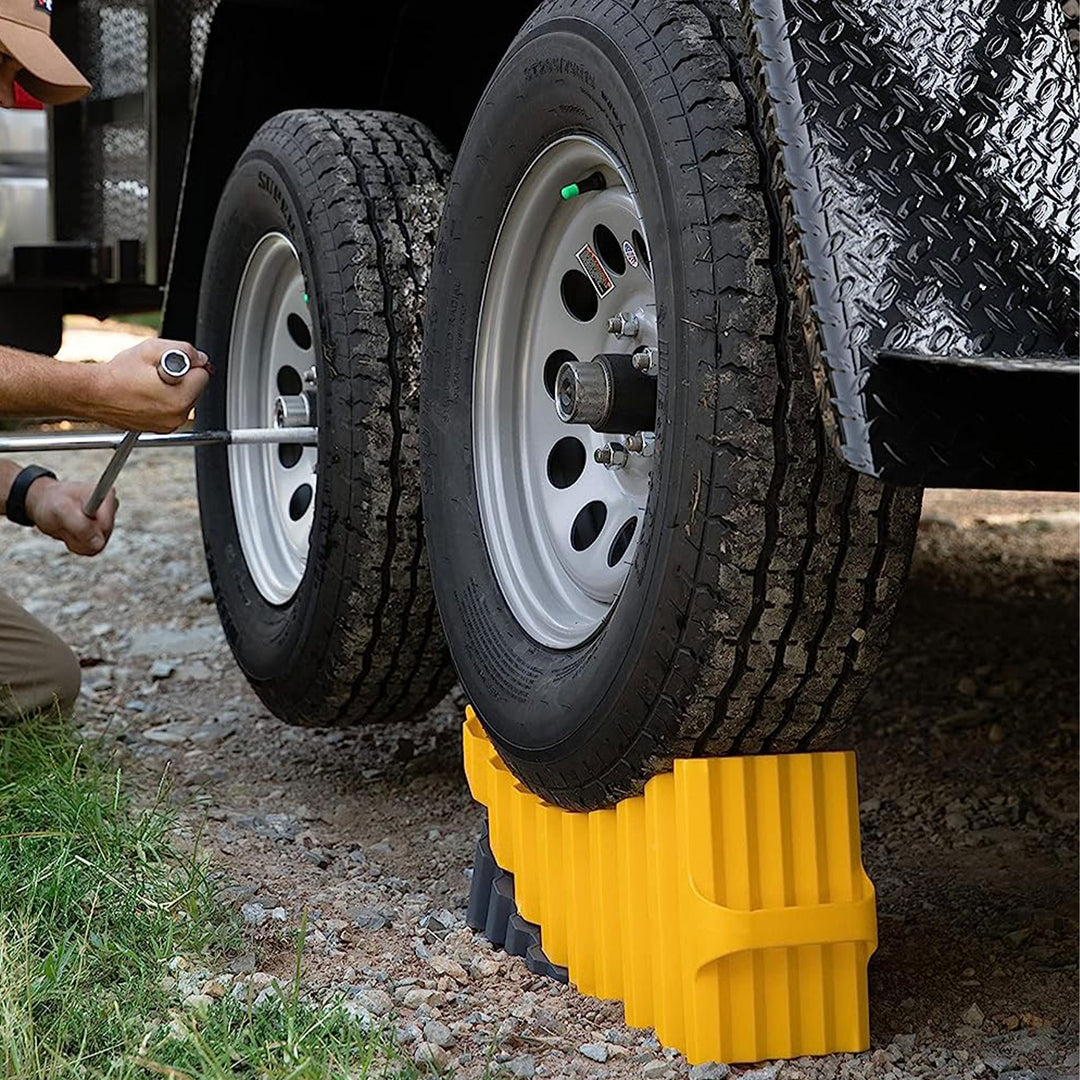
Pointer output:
x,y
173,366
292,411
582,393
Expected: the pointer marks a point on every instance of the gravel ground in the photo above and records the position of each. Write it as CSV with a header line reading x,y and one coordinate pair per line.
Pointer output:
x,y
967,747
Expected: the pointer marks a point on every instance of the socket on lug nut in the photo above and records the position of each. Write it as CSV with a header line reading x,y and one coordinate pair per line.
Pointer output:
x,y
294,410
612,456
607,393
582,393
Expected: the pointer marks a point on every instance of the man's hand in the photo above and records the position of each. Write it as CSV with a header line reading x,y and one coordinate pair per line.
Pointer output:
x,y
55,507
130,394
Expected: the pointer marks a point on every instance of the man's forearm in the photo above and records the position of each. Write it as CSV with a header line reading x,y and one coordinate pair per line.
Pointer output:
x,y
32,385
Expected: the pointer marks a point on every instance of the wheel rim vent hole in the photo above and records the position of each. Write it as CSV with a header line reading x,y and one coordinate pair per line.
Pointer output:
x,y
300,501
621,542
551,368
588,525
298,331
566,462
289,383
289,454
609,249
642,251
578,295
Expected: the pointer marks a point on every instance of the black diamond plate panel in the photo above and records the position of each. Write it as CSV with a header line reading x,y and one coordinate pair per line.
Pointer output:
x,y
926,154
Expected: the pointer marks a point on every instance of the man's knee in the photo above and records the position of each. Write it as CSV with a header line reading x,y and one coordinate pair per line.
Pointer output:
x,y
62,677
37,670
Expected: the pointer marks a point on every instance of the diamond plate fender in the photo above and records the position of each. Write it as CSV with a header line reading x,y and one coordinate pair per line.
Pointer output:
x,y
925,154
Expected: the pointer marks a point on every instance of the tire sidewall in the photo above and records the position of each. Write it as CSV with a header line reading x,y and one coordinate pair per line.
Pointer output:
x,y
576,79
261,197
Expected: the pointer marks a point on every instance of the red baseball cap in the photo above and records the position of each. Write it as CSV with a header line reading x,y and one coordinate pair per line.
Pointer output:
x,y
46,72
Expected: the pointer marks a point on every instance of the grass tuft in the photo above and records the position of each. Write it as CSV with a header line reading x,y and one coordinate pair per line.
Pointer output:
x,y
95,899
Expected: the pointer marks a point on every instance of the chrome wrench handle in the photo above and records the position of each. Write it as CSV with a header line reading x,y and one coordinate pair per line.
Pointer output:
x,y
171,369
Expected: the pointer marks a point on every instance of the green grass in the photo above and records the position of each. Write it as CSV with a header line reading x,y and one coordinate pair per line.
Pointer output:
x,y
152,319
95,899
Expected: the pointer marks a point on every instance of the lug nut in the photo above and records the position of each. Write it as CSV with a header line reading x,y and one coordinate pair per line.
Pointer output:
x,y
612,456
623,325
645,360
635,443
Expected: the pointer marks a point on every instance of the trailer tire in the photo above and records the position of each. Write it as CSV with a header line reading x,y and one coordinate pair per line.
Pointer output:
x,y
765,573
319,255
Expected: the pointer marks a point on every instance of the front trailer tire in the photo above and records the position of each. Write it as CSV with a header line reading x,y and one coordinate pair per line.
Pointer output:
x,y
765,574
358,196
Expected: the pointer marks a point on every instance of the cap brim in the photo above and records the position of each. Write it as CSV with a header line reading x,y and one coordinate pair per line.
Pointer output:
x,y
46,72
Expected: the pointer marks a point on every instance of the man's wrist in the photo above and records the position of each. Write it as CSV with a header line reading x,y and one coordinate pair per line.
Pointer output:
x,y
35,493
85,390
22,504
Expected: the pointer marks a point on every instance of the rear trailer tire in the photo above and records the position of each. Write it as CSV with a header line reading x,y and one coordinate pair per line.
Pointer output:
x,y
761,575
313,287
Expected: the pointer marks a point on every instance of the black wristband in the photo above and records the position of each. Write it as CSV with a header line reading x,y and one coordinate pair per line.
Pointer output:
x,y
16,500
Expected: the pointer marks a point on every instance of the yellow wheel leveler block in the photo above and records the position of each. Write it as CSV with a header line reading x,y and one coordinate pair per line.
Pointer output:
x,y
727,906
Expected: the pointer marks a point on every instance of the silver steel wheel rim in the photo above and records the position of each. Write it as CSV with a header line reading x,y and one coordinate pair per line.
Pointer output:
x,y
270,351
559,593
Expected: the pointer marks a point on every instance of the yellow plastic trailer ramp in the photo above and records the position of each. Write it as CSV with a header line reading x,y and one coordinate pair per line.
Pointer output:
x,y
727,907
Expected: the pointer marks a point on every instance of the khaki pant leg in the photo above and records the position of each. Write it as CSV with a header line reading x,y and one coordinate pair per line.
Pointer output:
x,y
37,670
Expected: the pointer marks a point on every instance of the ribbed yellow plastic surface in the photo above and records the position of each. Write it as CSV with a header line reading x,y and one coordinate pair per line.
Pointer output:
x,y
727,907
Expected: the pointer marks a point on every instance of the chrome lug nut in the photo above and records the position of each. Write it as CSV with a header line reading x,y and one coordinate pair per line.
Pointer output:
x,y
612,456
623,325
645,360
635,443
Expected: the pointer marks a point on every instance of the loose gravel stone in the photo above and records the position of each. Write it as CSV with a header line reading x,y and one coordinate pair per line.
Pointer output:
x,y
656,1070
438,1034
522,1067
417,997
715,1070
973,1016
594,1051
376,1001
254,913
766,1072
429,1054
